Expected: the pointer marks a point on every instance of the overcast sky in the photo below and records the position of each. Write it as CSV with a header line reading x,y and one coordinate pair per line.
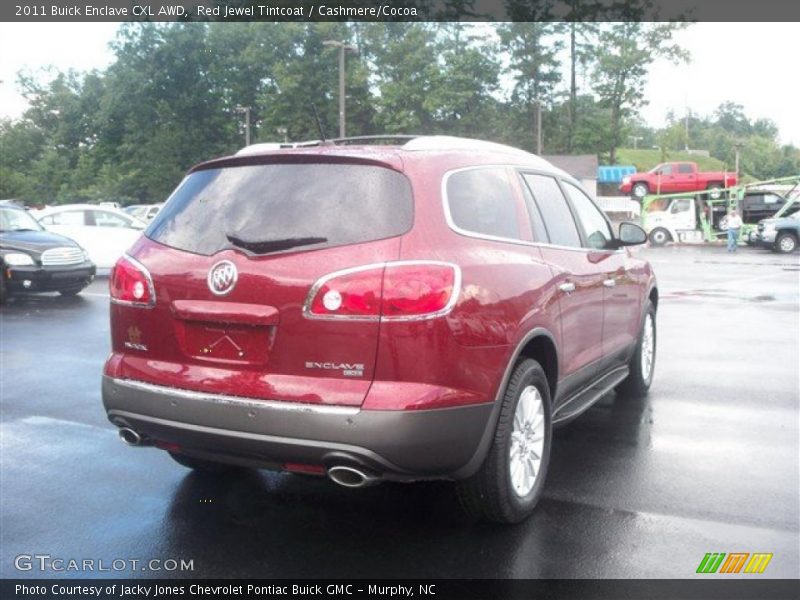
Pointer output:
x,y
752,64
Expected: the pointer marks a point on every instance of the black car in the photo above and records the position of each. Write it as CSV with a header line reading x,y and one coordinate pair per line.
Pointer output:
x,y
35,260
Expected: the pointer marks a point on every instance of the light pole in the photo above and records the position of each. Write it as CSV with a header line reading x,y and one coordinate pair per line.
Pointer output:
x,y
283,132
738,146
246,111
343,47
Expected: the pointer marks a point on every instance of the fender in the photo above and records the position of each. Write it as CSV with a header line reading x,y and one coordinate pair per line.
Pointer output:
x,y
477,459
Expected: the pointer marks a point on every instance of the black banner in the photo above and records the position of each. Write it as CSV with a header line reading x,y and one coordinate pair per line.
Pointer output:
x,y
514,589
399,10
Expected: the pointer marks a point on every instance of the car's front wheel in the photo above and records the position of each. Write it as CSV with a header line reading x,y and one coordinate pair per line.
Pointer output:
x,y
643,362
639,190
786,243
510,482
659,236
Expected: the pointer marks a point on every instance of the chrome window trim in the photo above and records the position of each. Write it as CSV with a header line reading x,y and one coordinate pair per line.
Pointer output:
x,y
224,399
480,236
455,294
150,286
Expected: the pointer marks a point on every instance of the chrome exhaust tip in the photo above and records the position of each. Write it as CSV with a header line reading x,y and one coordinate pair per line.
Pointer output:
x,y
130,437
351,477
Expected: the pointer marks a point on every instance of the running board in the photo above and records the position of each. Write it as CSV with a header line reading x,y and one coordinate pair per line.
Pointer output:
x,y
584,399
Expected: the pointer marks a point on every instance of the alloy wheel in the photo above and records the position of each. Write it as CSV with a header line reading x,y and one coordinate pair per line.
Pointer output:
x,y
527,441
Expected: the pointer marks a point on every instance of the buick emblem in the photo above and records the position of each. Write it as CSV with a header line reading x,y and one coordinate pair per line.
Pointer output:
x,y
222,278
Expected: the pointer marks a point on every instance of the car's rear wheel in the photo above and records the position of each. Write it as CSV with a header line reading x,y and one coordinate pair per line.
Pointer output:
x,y
714,191
643,362
659,236
510,482
786,243
199,464
3,292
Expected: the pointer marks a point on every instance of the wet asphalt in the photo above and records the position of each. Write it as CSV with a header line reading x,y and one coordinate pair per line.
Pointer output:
x,y
708,462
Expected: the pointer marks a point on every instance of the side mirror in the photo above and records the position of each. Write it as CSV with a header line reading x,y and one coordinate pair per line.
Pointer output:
x,y
631,234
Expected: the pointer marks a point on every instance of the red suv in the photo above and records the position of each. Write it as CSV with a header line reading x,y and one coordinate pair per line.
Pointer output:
x,y
422,310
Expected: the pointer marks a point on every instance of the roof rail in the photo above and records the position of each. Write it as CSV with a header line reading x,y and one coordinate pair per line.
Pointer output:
x,y
374,138
408,142
448,142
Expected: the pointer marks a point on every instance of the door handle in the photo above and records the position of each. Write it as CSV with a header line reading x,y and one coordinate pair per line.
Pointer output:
x,y
609,283
567,287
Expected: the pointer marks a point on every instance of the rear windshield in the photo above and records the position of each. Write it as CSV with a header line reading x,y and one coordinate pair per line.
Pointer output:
x,y
272,208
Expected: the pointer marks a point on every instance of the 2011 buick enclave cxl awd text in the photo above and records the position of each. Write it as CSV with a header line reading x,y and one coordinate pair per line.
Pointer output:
x,y
427,309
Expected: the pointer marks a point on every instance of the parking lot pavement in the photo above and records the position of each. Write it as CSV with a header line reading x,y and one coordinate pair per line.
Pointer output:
x,y
708,462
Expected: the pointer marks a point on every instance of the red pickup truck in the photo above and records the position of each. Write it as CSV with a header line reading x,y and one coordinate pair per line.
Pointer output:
x,y
674,177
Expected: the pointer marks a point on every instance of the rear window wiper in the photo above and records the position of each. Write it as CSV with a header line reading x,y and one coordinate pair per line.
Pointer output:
x,y
266,246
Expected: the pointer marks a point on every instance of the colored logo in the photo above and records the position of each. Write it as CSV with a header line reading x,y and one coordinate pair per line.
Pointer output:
x,y
735,562
222,277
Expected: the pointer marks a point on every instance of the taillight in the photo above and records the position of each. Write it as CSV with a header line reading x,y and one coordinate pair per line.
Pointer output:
x,y
395,291
131,284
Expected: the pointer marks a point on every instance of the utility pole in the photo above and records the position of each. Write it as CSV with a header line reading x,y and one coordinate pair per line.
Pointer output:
x,y
343,47
538,127
686,125
246,111
738,147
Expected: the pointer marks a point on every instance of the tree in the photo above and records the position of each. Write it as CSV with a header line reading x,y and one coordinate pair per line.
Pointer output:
x,y
533,51
624,52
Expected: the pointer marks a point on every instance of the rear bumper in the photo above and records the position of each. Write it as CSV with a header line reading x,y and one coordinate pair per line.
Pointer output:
x,y
49,279
399,445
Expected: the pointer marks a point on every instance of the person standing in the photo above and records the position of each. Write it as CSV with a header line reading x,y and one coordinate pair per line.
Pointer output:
x,y
734,225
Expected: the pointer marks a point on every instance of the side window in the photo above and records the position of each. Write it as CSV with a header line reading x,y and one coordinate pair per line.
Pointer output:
x,y
482,201
680,205
555,211
537,222
595,226
106,219
685,169
68,217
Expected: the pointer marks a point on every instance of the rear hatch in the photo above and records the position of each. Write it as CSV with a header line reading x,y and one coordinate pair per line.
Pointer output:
x,y
233,257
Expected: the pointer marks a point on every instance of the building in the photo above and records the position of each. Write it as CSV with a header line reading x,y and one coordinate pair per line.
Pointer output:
x,y
582,167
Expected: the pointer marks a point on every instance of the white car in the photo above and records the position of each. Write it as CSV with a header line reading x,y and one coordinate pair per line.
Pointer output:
x,y
145,212
104,232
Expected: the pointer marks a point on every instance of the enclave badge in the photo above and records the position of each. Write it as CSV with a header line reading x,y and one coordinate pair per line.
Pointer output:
x,y
222,278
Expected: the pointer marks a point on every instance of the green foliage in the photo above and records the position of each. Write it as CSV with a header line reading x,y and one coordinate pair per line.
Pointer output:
x,y
175,93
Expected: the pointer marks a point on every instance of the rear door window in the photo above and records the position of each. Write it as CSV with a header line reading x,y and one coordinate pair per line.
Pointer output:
x,y
554,210
482,201
271,208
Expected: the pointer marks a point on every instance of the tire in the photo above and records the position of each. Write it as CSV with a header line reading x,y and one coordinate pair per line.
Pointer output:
x,y
499,492
714,191
659,236
3,292
203,466
639,191
786,243
72,291
641,369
